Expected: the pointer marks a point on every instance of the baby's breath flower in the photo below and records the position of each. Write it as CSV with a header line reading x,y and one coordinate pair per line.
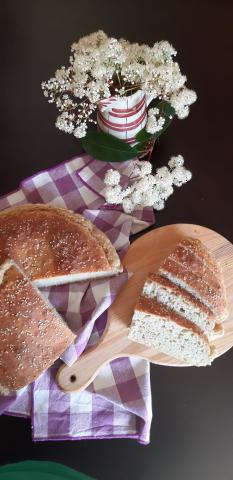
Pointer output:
x,y
113,194
152,112
154,123
176,161
165,191
164,51
126,192
136,197
150,180
159,205
169,191
181,101
64,103
65,122
148,198
146,168
141,168
80,131
163,177
143,184
112,177
128,205
180,176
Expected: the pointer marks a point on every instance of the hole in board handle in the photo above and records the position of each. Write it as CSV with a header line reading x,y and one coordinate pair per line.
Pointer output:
x,y
73,378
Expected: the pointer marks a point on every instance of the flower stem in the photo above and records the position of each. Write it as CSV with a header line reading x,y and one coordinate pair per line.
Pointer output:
x,y
119,80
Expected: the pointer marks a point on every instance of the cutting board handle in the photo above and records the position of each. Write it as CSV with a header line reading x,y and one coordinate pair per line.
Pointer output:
x,y
78,376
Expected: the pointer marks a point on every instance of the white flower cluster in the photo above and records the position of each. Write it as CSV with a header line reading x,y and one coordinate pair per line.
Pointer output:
x,y
181,101
155,122
146,189
101,67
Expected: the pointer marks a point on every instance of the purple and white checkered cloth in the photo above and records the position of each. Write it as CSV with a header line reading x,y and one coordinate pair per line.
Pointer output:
x,y
118,403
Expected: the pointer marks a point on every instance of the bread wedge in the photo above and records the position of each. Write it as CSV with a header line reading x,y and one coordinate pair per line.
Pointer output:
x,y
32,334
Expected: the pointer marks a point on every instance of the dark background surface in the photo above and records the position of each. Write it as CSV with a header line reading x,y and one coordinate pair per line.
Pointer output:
x,y
192,430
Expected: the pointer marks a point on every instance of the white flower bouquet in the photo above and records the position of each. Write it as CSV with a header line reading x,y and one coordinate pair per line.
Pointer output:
x,y
110,83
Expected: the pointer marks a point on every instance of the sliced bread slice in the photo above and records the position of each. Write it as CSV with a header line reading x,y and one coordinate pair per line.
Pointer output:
x,y
182,302
156,326
32,334
207,291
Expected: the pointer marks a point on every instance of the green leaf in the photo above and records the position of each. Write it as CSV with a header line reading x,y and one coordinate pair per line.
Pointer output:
x,y
144,136
108,148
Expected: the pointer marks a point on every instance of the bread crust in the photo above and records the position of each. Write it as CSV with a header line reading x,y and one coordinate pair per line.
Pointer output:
x,y
199,249
193,262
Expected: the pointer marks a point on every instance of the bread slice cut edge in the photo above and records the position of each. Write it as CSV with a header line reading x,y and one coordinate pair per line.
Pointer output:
x,y
182,302
192,283
169,337
73,277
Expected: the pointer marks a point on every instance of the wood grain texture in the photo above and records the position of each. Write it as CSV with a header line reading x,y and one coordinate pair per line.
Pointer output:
x,y
142,257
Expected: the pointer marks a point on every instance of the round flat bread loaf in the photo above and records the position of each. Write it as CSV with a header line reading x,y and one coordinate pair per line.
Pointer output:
x,y
55,246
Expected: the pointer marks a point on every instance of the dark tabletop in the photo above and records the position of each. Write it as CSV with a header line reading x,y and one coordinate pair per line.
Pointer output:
x,y
192,430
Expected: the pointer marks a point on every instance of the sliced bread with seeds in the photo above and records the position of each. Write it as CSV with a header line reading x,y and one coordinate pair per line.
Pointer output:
x,y
156,326
183,303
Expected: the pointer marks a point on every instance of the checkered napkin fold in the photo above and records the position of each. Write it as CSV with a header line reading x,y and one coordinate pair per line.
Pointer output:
x,y
118,403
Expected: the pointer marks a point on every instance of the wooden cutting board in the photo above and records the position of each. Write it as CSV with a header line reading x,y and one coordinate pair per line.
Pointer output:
x,y
142,257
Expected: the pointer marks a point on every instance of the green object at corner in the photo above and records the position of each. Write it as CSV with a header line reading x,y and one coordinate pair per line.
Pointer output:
x,y
40,470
